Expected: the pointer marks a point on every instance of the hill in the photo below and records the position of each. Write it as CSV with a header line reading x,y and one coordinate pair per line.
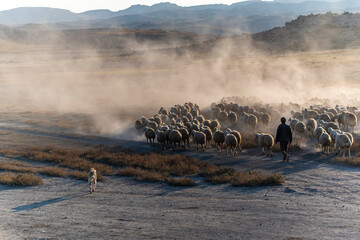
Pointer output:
x,y
237,18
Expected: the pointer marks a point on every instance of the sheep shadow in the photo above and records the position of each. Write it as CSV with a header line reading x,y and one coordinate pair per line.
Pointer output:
x,y
33,206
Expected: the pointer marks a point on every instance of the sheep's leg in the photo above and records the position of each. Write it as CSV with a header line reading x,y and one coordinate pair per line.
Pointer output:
x,y
203,147
262,151
349,153
270,152
227,150
197,146
343,153
188,143
240,148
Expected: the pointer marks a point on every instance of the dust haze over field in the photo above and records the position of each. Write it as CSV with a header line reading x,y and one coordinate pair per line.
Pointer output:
x,y
114,87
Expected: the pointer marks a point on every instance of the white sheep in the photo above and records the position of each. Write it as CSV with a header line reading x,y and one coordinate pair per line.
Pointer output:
x,y
231,142
219,139
310,126
325,142
149,134
92,179
199,138
318,131
265,140
161,138
343,143
175,137
299,129
350,119
237,135
292,123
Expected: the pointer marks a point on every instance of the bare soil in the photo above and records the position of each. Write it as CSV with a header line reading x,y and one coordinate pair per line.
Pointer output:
x,y
319,199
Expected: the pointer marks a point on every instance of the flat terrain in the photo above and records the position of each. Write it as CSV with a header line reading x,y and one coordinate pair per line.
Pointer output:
x,y
81,99
319,200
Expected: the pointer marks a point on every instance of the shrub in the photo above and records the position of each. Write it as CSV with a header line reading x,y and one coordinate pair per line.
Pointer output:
x,y
17,167
20,179
183,181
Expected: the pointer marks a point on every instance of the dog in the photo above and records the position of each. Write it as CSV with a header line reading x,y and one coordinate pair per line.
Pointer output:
x,y
92,178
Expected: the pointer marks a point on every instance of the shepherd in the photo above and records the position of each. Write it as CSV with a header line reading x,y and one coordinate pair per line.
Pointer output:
x,y
284,136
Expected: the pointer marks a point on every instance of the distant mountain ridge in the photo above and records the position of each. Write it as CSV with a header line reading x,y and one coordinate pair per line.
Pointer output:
x,y
247,16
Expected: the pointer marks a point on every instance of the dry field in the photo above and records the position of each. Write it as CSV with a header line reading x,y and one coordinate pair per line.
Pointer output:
x,y
84,101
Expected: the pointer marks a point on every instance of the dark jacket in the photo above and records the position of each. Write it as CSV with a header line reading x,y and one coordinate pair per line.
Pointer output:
x,y
283,133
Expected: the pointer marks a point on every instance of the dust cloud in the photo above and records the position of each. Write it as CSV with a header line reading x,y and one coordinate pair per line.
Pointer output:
x,y
113,87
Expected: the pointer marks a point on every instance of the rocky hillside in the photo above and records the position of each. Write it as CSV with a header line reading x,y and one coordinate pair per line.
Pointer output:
x,y
314,32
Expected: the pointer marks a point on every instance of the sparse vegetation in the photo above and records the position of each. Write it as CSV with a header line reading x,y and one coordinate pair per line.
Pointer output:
x,y
79,175
183,181
354,161
220,175
17,167
53,171
171,169
20,179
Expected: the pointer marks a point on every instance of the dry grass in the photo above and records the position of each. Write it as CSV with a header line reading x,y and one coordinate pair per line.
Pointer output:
x,y
354,161
79,175
181,182
83,175
20,179
146,167
254,178
221,175
17,167
142,175
53,171
66,158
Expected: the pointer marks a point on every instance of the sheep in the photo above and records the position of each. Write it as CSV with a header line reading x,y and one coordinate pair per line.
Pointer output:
x,y
265,140
324,116
219,139
185,136
325,142
92,179
265,119
149,134
297,115
152,124
175,137
207,123
209,135
318,131
140,124
158,120
292,123
237,135
215,124
252,121
310,126
161,138
189,116
199,138
332,125
299,129
194,112
231,142
343,143
350,119
223,116
215,111
200,118
310,113
163,111
232,117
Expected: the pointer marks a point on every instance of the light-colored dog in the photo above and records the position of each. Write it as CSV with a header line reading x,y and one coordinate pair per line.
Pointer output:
x,y
92,178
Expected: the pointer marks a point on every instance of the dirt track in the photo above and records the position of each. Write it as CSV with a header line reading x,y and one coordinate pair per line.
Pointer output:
x,y
318,201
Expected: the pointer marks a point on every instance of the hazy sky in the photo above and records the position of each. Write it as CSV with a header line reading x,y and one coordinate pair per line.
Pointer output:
x,y
114,5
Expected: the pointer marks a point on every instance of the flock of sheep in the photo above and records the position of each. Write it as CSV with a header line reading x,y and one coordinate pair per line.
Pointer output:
x,y
225,122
